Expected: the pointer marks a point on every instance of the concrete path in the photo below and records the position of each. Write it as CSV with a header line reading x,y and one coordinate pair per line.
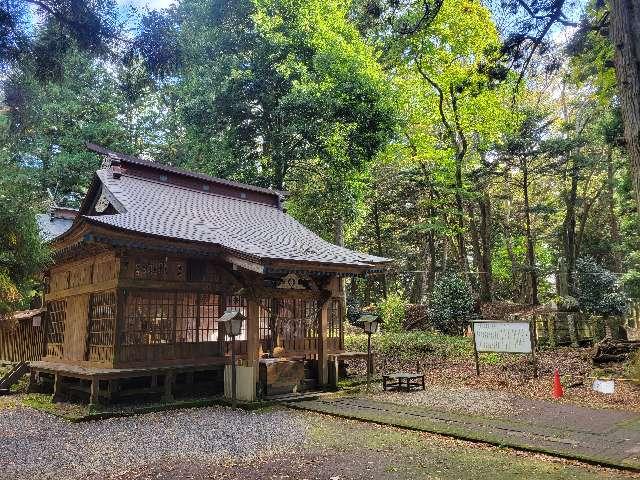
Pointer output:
x,y
608,437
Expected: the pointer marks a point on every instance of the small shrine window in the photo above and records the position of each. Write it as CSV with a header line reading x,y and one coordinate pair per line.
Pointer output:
x,y
102,308
57,320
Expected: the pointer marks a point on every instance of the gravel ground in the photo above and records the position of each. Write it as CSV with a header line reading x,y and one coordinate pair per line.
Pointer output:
x,y
513,375
36,445
468,400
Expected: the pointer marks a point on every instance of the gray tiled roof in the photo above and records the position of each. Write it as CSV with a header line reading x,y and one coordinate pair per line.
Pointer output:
x,y
261,231
51,227
132,159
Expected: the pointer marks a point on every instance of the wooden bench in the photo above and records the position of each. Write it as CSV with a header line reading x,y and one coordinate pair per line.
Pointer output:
x,y
398,381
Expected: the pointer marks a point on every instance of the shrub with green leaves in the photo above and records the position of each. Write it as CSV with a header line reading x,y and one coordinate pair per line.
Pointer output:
x,y
633,368
598,290
451,303
411,345
631,283
393,313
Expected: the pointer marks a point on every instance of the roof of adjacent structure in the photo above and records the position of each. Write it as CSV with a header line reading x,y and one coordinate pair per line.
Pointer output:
x,y
56,222
28,314
259,230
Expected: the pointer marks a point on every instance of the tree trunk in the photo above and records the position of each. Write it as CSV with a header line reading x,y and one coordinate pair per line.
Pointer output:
x,y
431,244
625,36
614,229
531,253
475,244
569,228
462,250
485,243
376,222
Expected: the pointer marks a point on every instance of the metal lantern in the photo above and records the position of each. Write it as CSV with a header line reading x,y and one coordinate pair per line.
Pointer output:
x,y
232,322
370,323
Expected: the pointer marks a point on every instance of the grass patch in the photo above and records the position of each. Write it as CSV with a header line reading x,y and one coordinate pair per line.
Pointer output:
x,y
407,345
409,455
492,358
68,411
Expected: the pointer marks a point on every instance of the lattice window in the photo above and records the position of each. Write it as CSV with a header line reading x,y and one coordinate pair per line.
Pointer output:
x,y
57,320
171,317
236,302
102,318
264,318
186,317
333,329
298,318
149,318
209,310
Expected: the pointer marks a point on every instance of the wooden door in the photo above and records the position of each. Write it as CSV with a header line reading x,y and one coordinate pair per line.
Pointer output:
x,y
75,335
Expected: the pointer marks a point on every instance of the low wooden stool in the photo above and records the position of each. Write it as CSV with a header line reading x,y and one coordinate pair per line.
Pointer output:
x,y
396,380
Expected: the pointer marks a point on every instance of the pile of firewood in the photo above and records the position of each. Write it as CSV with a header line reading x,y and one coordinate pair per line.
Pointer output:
x,y
614,351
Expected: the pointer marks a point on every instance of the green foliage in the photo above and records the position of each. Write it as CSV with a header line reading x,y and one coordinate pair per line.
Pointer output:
x,y
451,303
22,254
633,369
598,289
51,122
631,283
362,122
409,345
393,313
294,99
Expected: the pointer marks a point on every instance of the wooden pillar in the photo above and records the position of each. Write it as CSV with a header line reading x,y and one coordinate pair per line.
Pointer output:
x,y
33,382
323,367
253,340
57,383
113,390
94,398
221,333
253,333
168,387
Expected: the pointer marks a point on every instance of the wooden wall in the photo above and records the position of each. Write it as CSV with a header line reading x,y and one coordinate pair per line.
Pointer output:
x,y
74,283
21,341
80,288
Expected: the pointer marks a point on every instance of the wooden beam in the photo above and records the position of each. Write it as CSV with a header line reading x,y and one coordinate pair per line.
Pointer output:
x,y
246,264
91,287
175,285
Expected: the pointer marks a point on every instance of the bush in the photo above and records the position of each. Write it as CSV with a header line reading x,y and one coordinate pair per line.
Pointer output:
x,y
633,369
451,303
631,283
598,290
393,313
411,345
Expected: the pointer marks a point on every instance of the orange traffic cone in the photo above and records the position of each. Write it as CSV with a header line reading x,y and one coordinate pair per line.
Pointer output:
x,y
557,386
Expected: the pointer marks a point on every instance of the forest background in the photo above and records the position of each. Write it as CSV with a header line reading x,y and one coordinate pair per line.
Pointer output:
x,y
479,144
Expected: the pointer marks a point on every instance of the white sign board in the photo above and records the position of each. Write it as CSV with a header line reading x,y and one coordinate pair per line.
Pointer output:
x,y
36,321
508,337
